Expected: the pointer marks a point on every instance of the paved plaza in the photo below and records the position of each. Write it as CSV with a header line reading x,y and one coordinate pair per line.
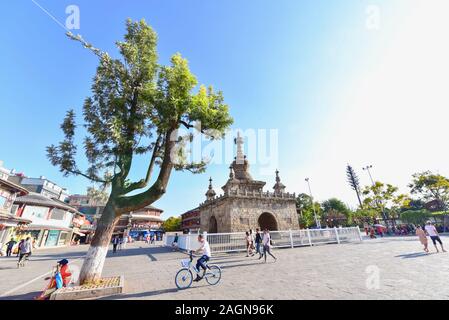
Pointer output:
x,y
389,268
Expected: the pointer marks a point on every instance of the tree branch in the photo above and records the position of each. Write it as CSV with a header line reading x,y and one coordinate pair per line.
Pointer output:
x,y
127,204
96,179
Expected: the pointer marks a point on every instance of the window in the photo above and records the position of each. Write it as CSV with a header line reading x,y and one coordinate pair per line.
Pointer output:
x,y
3,201
34,211
57,214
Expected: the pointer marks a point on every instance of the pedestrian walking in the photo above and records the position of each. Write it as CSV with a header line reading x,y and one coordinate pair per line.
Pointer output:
x,y
115,242
434,236
124,241
258,241
25,252
120,243
266,241
9,246
372,234
18,247
253,247
422,238
248,244
175,242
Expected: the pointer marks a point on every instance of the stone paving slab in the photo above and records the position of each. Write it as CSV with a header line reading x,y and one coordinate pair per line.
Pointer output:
x,y
346,271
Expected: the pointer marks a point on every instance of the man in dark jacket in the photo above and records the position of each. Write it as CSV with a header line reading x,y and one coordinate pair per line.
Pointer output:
x,y
9,246
258,242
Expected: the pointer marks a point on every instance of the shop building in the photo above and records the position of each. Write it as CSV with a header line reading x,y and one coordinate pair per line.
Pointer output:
x,y
141,223
8,221
191,221
51,219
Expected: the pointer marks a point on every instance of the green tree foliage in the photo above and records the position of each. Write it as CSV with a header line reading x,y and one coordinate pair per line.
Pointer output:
x,y
362,216
137,108
417,217
431,186
354,183
305,209
172,224
384,199
335,212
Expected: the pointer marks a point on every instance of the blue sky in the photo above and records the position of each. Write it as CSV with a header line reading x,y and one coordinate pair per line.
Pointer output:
x,y
337,91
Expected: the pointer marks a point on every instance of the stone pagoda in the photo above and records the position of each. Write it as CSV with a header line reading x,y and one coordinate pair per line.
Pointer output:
x,y
244,205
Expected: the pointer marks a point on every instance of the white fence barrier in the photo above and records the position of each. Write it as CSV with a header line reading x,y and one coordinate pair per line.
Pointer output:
x,y
230,242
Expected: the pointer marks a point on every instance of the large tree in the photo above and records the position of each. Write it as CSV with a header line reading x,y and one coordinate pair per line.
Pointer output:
x,y
136,108
431,186
172,224
335,212
384,198
307,209
354,183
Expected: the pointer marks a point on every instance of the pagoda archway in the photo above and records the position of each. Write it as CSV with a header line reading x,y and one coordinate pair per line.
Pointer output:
x,y
268,221
213,228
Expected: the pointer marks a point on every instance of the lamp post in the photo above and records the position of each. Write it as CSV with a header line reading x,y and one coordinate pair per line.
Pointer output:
x,y
318,223
369,172
367,168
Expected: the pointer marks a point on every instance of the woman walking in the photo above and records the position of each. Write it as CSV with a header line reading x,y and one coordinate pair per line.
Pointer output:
x,y
267,245
248,244
422,238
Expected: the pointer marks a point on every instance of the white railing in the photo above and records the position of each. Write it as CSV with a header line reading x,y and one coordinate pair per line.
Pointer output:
x,y
231,242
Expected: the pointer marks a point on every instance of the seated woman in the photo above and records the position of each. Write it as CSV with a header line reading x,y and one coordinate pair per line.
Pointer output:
x,y
61,278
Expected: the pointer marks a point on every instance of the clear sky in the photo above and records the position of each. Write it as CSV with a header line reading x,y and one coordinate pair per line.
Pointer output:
x,y
359,82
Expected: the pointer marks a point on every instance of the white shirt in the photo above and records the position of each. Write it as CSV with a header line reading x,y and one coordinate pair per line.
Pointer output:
x,y
206,248
430,229
266,239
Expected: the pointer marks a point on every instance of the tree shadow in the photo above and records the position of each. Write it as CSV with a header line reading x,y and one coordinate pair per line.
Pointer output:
x,y
25,296
146,294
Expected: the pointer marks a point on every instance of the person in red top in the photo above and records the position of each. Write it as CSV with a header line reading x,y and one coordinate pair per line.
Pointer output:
x,y
63,268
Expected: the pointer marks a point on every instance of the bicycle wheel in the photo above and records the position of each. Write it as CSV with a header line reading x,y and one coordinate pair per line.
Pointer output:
x,y
184,278
213,275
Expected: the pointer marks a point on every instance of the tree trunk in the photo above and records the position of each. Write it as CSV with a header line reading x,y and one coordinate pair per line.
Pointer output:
x,y
96,255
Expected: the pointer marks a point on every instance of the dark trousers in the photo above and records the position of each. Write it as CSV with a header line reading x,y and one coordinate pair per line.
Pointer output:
x,y
8,251
114,248
266,249
202,263
23,256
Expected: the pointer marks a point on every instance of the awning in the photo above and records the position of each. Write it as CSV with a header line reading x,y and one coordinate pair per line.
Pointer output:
x,y
146,217
79,233
7,224
40,227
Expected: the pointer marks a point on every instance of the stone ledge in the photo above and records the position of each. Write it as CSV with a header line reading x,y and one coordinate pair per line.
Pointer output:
x,y
110,286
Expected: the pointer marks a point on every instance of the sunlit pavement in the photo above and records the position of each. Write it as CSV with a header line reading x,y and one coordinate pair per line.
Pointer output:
x,y
388,268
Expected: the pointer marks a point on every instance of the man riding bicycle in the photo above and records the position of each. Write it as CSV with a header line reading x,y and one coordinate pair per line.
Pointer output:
x,y
201,262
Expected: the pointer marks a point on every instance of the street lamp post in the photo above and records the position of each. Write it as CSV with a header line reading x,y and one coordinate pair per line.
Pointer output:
x,y
369,172
367,168
317,222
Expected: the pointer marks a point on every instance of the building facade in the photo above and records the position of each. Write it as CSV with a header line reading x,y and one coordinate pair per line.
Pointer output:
x,y
141,223
245,205
51,220
9,222
191,221
42,186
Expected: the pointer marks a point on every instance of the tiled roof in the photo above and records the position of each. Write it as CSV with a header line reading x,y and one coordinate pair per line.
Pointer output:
x,y
37,199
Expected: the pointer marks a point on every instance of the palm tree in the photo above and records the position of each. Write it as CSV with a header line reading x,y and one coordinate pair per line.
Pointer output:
x,y
353,181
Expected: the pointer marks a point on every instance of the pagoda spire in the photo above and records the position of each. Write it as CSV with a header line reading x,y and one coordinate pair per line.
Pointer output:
x,y
210,194
239,142
278,187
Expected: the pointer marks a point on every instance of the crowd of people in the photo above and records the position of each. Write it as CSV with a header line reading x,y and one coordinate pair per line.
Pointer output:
x,y
378,230
22,249
257,241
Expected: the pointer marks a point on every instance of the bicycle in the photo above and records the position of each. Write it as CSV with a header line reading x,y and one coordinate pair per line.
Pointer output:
x,y
184,277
